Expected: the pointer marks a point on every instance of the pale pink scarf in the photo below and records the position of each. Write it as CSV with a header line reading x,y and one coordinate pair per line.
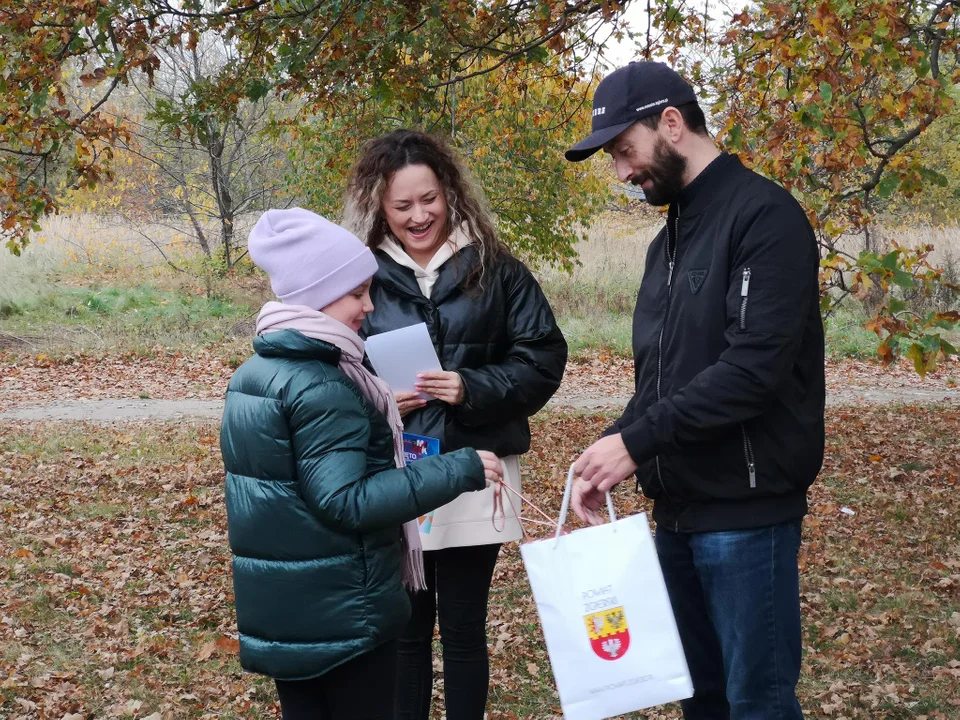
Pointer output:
x,y
276,316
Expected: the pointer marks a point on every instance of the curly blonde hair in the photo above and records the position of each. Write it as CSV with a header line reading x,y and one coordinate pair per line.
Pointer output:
x,y
467,207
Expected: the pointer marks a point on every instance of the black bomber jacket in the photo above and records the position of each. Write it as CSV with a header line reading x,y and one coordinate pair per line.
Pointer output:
x,y
502,338
726,423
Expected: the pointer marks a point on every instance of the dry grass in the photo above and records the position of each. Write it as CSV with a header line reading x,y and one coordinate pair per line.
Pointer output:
x,y
86,246
944,238
90,243
594,304
90,252
610,267
92,283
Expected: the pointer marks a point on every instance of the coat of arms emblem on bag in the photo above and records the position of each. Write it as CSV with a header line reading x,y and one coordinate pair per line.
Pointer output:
x,y
609,634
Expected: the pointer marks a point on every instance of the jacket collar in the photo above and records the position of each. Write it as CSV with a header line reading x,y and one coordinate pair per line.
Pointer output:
x,y
696,196
403,280
295,345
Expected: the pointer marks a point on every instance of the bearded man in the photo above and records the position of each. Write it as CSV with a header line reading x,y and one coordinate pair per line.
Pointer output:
x,y
725,431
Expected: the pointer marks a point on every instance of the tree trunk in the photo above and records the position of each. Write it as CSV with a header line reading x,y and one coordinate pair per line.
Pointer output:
x,y
197,229
221,190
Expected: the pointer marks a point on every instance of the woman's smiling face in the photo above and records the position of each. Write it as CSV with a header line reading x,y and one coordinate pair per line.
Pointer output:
x,y
416,212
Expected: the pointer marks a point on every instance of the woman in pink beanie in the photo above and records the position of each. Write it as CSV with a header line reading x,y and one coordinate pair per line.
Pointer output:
x,y
321,511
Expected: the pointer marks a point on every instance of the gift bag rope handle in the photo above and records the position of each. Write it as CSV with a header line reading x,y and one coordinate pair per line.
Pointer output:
x,y
500,516
498,508
565,506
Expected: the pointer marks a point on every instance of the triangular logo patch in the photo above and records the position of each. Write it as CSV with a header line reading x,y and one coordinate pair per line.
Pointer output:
x,y
696,278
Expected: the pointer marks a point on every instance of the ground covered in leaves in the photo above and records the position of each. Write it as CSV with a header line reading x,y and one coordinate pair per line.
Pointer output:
x,y
115,593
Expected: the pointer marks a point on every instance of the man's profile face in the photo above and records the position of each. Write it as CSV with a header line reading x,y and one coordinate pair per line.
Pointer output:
x,y
643,157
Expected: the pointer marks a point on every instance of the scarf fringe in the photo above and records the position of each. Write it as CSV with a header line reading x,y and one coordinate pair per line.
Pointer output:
x,y
412,573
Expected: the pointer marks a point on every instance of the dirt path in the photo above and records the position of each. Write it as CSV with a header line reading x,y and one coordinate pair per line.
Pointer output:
x,y
172,387
109,411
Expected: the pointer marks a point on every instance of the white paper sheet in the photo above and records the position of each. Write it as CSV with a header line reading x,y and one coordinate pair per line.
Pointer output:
x,y
399,356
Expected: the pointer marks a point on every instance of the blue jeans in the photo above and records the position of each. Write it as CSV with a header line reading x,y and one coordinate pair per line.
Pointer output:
x,y
736,597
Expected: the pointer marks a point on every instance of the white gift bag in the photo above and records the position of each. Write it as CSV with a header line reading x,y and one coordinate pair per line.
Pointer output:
x,y
610,631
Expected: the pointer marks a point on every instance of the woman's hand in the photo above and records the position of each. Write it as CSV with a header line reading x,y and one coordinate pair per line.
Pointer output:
x,y
492,469
407,402
443,385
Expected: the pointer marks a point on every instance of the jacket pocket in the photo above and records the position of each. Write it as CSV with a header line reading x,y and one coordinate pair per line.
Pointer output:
x,y
647,481
744,297
749,457
706,471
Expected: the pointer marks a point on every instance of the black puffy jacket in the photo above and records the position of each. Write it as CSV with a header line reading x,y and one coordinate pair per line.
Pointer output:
x,y
503,340
727,420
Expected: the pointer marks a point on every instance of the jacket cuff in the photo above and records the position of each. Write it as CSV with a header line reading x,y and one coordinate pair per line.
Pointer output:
x,y
466,411
638,440
612,430
478,474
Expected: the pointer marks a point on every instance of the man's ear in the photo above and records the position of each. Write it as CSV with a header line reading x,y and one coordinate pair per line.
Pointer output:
x,y
672,124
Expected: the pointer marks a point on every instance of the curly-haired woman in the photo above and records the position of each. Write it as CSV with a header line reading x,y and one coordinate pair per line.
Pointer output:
x,y
441,263
321,512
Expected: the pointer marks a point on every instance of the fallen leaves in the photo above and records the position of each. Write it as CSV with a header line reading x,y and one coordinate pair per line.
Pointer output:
x,y
116,587
40,380
225,645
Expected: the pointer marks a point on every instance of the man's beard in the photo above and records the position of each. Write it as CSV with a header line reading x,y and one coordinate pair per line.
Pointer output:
x,y
666,171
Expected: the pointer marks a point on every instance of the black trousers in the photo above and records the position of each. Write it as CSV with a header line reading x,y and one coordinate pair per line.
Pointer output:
x,y
458,585
361,689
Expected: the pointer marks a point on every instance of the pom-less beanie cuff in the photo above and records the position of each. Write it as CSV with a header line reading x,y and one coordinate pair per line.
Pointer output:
x,y
337,283
309,260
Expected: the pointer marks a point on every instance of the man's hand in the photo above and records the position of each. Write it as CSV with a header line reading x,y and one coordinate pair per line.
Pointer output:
x,y
586,501
605,463
443,385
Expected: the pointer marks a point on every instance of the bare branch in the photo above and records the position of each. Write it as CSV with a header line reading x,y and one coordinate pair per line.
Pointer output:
x,y
570,15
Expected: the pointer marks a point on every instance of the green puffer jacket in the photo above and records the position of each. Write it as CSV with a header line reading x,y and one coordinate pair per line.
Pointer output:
x,y
314,509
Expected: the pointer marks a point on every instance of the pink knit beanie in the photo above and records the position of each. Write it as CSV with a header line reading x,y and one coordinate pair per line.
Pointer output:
x,y
309,260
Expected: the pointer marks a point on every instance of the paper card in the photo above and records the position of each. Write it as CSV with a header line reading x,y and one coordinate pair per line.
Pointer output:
x,y
416,447
399,356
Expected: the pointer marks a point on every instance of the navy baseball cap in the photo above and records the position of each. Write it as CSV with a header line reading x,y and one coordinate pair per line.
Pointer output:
x,y
626,95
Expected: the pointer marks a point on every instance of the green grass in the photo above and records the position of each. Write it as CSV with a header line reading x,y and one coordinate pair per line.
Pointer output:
x,y
87,285
845,335
98,511
119,316
605,332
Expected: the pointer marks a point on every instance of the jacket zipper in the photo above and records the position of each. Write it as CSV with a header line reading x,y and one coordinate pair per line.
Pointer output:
x,y
744,292
747,445
748,456
672,256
